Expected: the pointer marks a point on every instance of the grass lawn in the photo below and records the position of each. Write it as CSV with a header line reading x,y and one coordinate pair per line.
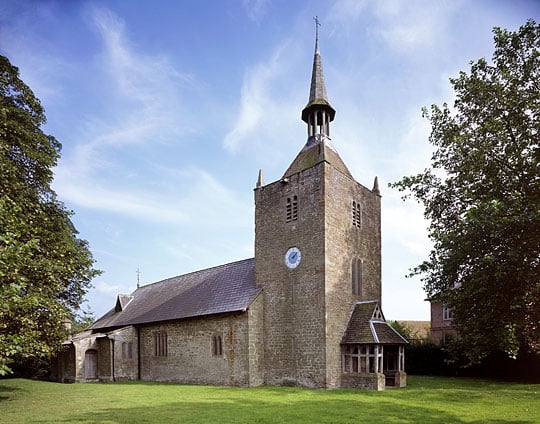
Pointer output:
x,y
426,400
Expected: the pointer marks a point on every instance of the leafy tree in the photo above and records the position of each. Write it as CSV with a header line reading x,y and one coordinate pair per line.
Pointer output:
x,y
482,197
413,334
402,328
45,270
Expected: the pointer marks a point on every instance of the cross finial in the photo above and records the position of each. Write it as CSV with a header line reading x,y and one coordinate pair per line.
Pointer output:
x,y
317,25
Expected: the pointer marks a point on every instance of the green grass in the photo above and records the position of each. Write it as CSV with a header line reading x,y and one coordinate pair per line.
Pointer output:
x,y
425,400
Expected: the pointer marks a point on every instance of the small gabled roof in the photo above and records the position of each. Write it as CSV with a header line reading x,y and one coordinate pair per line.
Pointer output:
x,y
122,301
368,326
222,289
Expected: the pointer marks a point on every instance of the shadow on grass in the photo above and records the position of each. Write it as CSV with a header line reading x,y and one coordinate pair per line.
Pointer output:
x,y
235,410
4,390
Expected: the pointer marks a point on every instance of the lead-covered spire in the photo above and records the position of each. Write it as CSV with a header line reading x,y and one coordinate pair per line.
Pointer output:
x,y
318,113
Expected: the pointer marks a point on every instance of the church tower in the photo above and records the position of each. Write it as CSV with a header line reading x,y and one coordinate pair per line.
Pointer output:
x,y
317,253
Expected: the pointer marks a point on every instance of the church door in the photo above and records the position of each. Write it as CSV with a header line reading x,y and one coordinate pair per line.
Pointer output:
x,y
90,365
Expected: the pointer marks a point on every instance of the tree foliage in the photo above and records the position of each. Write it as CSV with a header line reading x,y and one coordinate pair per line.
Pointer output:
x,y
45,270
482,197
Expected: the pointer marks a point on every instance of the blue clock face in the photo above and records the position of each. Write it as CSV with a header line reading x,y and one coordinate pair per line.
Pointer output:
x,y
293,257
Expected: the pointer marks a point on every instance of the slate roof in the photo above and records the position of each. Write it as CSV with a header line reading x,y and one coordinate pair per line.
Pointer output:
x,y
222,289
368,326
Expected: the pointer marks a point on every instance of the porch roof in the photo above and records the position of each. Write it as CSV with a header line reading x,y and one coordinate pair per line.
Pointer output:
x,y
368,326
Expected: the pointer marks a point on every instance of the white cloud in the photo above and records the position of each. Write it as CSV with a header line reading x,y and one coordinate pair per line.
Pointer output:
x,y
136,204
256,9
146,90
347,11
106,288
148,79
406,26
256,100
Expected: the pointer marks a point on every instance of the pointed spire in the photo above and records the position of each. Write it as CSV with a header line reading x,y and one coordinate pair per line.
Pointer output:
x,y
318,86
318,113
375,188
317,25
260,181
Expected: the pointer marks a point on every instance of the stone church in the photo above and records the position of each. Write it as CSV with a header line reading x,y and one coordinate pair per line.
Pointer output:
x,y
305,311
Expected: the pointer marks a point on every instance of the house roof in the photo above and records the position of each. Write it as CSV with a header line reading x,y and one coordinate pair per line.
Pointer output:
x,y
368,326
222,289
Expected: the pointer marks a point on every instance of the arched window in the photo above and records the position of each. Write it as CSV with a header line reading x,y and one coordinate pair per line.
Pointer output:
x,y
357,276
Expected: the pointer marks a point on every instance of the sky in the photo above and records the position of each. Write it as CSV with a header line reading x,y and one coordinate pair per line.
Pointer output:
x,y
167,110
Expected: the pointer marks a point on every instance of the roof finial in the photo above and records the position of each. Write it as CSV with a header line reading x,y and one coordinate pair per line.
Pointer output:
x,y
260,180
138,278
317,25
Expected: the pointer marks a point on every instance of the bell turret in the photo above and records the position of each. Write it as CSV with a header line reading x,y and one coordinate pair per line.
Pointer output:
x,y
318,112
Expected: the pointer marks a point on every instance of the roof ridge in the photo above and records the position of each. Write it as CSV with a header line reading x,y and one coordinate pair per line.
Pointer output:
x,y
195,272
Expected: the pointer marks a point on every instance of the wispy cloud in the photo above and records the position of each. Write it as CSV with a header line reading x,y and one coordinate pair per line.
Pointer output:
x,y
256,9
106,288
256,100
345,12
409,25
144,92
149,79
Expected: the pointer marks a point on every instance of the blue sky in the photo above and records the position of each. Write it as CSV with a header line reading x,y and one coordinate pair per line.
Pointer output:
x,y
168,109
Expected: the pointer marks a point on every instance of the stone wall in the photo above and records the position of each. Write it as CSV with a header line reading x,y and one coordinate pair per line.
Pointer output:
x,y
294,307
190,358
256,342
375,381
125,354
104,362
345,243
307,309
72,361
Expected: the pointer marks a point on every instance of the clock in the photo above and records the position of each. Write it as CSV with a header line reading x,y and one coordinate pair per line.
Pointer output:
x,y
292,257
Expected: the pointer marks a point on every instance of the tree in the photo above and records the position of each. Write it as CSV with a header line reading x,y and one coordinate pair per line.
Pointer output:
x,y
482,197
45,270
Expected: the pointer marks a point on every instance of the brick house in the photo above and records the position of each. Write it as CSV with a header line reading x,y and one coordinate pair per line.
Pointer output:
x,y
305,311
442,329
